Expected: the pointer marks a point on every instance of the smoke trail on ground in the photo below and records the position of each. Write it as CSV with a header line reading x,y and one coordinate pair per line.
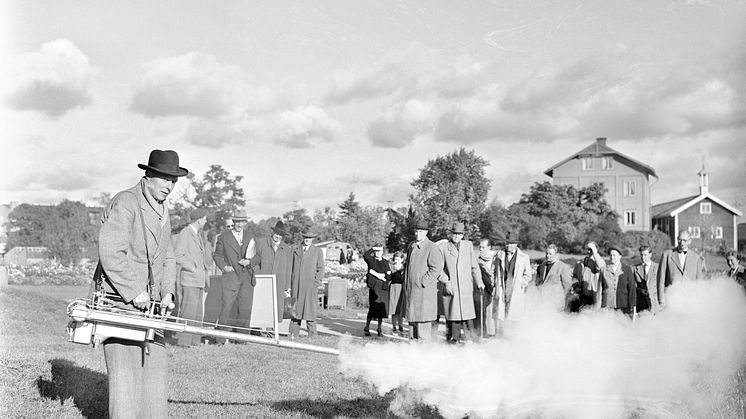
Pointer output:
x,y
679,363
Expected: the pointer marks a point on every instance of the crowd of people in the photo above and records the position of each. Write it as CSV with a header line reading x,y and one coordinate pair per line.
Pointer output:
x,y
483,293
479,292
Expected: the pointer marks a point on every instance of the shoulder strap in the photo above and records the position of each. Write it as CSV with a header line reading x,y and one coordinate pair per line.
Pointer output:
x,y
151,291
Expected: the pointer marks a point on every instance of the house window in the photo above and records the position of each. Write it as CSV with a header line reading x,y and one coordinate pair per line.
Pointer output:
x,y
586,163
705,208
717,232
694,232
630,218
607,162
630,188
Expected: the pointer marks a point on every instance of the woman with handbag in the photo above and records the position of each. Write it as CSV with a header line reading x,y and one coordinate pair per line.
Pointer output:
x,y
378,280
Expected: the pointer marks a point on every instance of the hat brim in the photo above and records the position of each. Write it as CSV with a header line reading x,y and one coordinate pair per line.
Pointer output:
x,y
240,219
310,236
279,231
179,173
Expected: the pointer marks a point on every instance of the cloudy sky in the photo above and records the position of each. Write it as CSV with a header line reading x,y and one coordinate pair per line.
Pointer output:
x,y
311,100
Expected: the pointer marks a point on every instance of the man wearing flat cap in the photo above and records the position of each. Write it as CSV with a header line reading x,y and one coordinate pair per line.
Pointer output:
x,y
137,256
274,256
424,267
193,261
238,279
307,273
461,276
513,273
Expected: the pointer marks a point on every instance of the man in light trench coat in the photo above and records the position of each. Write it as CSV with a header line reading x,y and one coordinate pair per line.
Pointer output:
x,y
424,266
461,275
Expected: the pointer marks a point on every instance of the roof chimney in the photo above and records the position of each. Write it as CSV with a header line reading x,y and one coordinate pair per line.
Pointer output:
x,y
601,140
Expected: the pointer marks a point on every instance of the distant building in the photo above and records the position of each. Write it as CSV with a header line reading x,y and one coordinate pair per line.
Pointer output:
x,y
26,255
627,181
710,221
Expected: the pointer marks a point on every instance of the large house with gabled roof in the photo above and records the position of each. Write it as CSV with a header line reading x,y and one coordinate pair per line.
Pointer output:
x,y
627,181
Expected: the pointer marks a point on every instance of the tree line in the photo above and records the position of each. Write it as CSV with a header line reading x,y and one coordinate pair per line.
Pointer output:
x,y
449,188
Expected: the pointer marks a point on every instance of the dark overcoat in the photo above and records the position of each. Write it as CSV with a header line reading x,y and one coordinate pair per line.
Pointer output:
x,y
279,262
227,253
378,289
648,283
307,273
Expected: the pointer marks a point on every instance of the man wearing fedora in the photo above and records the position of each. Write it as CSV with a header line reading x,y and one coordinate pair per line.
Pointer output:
x,y
238,279
274,256
461,277
193,273
424,267
513,273
137,256
307,273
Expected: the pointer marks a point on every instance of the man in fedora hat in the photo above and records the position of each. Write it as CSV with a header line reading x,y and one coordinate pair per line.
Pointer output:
x,y
274,256
193,263
424,267
307,273
461,276
512,274
237,278
137,255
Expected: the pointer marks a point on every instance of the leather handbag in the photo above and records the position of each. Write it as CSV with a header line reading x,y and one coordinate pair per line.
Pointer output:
x,y
289,308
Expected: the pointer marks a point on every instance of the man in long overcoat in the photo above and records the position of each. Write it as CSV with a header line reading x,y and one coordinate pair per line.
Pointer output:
x,y
274,256
424,266
461,276
135,240
678,264
308,272
193,267
512,274
238,279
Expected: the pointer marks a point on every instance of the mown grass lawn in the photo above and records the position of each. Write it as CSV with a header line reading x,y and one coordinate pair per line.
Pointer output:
x,y
43,376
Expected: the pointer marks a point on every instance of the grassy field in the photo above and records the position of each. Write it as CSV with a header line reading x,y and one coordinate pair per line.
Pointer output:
x,y
42,375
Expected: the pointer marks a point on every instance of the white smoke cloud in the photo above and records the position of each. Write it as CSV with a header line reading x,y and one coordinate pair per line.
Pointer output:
x,y
680,363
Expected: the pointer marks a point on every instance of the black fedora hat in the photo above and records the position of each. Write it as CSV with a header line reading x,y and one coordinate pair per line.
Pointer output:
x,y
165,162
279,228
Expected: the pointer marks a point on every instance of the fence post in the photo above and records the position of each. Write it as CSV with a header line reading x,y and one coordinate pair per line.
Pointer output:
x,y
3,276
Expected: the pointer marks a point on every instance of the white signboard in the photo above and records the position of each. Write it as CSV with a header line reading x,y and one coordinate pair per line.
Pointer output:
x,y
264,308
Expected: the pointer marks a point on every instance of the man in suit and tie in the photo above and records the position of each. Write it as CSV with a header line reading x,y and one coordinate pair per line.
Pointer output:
x,y
646,278
512,274
238,279
678,264
553,279
193,276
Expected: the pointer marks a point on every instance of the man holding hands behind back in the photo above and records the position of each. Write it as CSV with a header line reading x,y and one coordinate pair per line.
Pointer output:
x,y
137,256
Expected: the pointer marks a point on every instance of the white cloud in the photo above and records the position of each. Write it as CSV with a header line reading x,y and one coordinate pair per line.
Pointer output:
x,y
305,126
398,126
600,95
409,72
53,81
196,84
